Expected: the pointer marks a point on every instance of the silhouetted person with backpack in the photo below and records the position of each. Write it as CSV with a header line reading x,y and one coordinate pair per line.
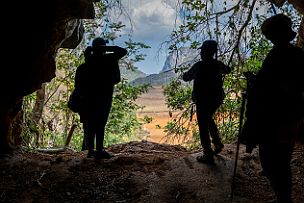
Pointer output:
x,y
95,82
208,95
275,105
75,99
85,142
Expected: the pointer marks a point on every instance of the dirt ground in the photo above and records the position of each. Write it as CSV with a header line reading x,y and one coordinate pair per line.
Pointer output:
x,y
139,172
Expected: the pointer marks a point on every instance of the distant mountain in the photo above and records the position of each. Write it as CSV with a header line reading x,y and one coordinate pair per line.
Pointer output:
x,y
155,79
131,75
184,59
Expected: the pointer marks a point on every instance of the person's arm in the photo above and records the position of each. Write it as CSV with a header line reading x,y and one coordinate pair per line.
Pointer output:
x,y
117,52
191,73
224,68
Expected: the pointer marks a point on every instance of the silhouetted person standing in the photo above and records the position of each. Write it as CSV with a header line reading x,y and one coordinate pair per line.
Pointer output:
x,y
276,105
208,94
95,82
85,143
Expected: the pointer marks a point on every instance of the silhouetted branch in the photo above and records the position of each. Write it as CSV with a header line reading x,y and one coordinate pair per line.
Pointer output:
x,y
249,16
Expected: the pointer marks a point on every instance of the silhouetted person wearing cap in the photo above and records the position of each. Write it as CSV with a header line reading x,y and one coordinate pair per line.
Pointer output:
x,y
276,106
208,94
95,82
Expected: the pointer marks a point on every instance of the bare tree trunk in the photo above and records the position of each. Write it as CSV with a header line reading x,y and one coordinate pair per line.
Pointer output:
x,y
69,137
37,110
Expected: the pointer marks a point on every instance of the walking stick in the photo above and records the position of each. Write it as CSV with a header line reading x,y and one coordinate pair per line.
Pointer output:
x,y
192,111
244,98
238,144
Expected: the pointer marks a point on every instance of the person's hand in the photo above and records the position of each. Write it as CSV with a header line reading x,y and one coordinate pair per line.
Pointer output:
x,y
248,75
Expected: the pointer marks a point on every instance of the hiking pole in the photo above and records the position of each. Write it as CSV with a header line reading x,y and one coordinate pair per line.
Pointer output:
x,y
192,111
244,95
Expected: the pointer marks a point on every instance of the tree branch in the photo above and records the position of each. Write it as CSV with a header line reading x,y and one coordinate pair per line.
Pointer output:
x,y
240,32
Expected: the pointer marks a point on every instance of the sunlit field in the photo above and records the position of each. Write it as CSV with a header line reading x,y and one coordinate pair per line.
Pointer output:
x,y
155,107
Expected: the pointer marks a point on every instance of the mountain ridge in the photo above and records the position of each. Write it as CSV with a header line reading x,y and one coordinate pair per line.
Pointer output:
x,y
176,60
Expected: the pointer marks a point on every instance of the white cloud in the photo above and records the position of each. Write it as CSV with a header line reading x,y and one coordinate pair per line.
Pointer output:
x,y
151,19
153,22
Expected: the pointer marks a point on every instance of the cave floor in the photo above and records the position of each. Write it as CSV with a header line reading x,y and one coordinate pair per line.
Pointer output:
x,y
140,172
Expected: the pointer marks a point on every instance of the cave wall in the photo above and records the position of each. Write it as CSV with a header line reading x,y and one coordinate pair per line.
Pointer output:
x,y
300,40
31,36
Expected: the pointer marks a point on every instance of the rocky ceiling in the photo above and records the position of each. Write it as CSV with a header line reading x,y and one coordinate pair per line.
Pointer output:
x,y
33,36
298,4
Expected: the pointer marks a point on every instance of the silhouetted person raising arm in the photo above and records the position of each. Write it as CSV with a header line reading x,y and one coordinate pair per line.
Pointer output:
x,y
208,95
276,105
95,82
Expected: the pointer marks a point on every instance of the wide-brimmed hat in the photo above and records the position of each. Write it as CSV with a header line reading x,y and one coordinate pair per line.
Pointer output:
x,y
278,27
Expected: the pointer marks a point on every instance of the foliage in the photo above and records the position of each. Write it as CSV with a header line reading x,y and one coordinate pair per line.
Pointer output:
x,y
147,119
28,126
123,122
178,95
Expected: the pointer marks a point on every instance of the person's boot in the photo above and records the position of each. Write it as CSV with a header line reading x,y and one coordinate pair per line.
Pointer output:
x,y
91,154
103,154
207,157
218,147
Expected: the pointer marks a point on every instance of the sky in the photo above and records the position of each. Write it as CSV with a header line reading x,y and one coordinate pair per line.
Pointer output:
x,y
153,21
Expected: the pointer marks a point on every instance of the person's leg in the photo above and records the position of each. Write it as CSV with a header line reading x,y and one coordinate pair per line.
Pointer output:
x,y
100,132
90,137
100,128
275,160
213,129
101,153
85,142
202,119
216,140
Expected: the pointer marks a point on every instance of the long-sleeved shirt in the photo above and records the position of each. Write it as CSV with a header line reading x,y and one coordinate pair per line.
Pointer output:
x,y
208,79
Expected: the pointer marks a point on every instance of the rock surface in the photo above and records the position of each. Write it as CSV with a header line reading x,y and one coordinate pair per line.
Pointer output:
x,y
140,172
